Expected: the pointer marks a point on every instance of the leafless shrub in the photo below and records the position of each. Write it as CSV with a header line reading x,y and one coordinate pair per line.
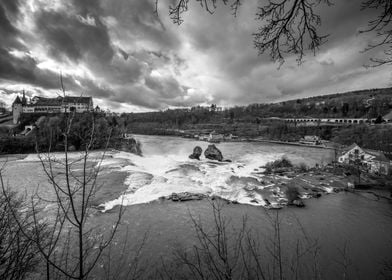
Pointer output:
x,y
120,263
71,247
224,252
18,254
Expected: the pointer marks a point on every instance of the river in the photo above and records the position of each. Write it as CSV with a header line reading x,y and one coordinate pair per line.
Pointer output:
x,y
166,168
352,230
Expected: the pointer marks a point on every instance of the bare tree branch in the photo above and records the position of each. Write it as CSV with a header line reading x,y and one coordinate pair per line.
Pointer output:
x,y
382,26
289,27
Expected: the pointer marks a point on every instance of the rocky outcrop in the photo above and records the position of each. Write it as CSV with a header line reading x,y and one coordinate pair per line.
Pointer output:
x,y
129,145
196,153
298,203
186,196
212,152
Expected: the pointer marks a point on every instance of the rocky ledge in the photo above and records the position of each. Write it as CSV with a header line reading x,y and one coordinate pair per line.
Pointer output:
x,y
185,196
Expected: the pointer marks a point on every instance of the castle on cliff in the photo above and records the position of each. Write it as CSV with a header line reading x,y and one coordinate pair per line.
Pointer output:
x,y
43,105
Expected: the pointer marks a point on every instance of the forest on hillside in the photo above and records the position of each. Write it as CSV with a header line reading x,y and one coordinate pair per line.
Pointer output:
x,y
254,120
360,104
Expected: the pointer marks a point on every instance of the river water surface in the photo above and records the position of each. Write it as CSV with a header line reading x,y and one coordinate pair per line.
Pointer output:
x,y
165,168
351,230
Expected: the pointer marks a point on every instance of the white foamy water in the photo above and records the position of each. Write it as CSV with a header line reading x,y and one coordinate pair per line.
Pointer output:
x,y
165,169
155,176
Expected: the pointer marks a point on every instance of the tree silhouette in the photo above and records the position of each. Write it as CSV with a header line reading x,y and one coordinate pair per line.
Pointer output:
x,y
291,27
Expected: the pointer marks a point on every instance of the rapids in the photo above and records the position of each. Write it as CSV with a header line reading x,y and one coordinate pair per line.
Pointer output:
x,y
165,168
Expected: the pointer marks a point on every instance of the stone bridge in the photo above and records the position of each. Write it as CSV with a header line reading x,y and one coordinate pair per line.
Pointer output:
x,y
331,120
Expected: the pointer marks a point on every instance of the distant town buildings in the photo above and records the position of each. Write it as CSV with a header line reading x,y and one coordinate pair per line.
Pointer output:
x,y
43,105
310,140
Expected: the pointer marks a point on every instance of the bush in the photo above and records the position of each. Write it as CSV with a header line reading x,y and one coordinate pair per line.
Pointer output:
x,y
279,163
302,167
18,254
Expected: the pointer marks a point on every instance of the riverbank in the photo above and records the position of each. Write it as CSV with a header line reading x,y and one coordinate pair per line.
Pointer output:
x,y
321,146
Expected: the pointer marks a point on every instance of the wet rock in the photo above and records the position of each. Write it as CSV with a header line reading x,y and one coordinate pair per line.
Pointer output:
x,y
196,153
186,196
129,145
298,203
212,152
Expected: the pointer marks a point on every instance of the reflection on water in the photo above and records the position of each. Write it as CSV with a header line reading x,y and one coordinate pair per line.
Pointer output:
x,y
335,220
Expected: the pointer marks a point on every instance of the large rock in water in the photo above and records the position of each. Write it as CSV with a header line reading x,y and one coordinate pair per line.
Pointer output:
x,y
213,153
129,145
196,153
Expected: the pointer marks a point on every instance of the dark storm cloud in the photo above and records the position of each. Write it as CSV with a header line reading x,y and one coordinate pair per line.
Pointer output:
x,y
136,20
168,87
25,70
122,53
12,68
6,28
87,7
8,12
11,5
69,36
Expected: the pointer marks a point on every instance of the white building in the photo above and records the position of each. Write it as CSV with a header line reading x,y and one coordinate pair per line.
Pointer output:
x,y
372,161
43,105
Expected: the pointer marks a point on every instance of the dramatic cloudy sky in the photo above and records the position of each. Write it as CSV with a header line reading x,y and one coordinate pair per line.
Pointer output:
x,y
128,59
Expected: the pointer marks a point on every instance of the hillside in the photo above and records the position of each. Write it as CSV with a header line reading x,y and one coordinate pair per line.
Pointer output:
x,y
358,104
257,120
369,103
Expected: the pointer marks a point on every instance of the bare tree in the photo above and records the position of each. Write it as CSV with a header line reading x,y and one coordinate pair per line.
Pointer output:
x,y
291,27
120,264
181,6
223,251
382,25
72,247
18,254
